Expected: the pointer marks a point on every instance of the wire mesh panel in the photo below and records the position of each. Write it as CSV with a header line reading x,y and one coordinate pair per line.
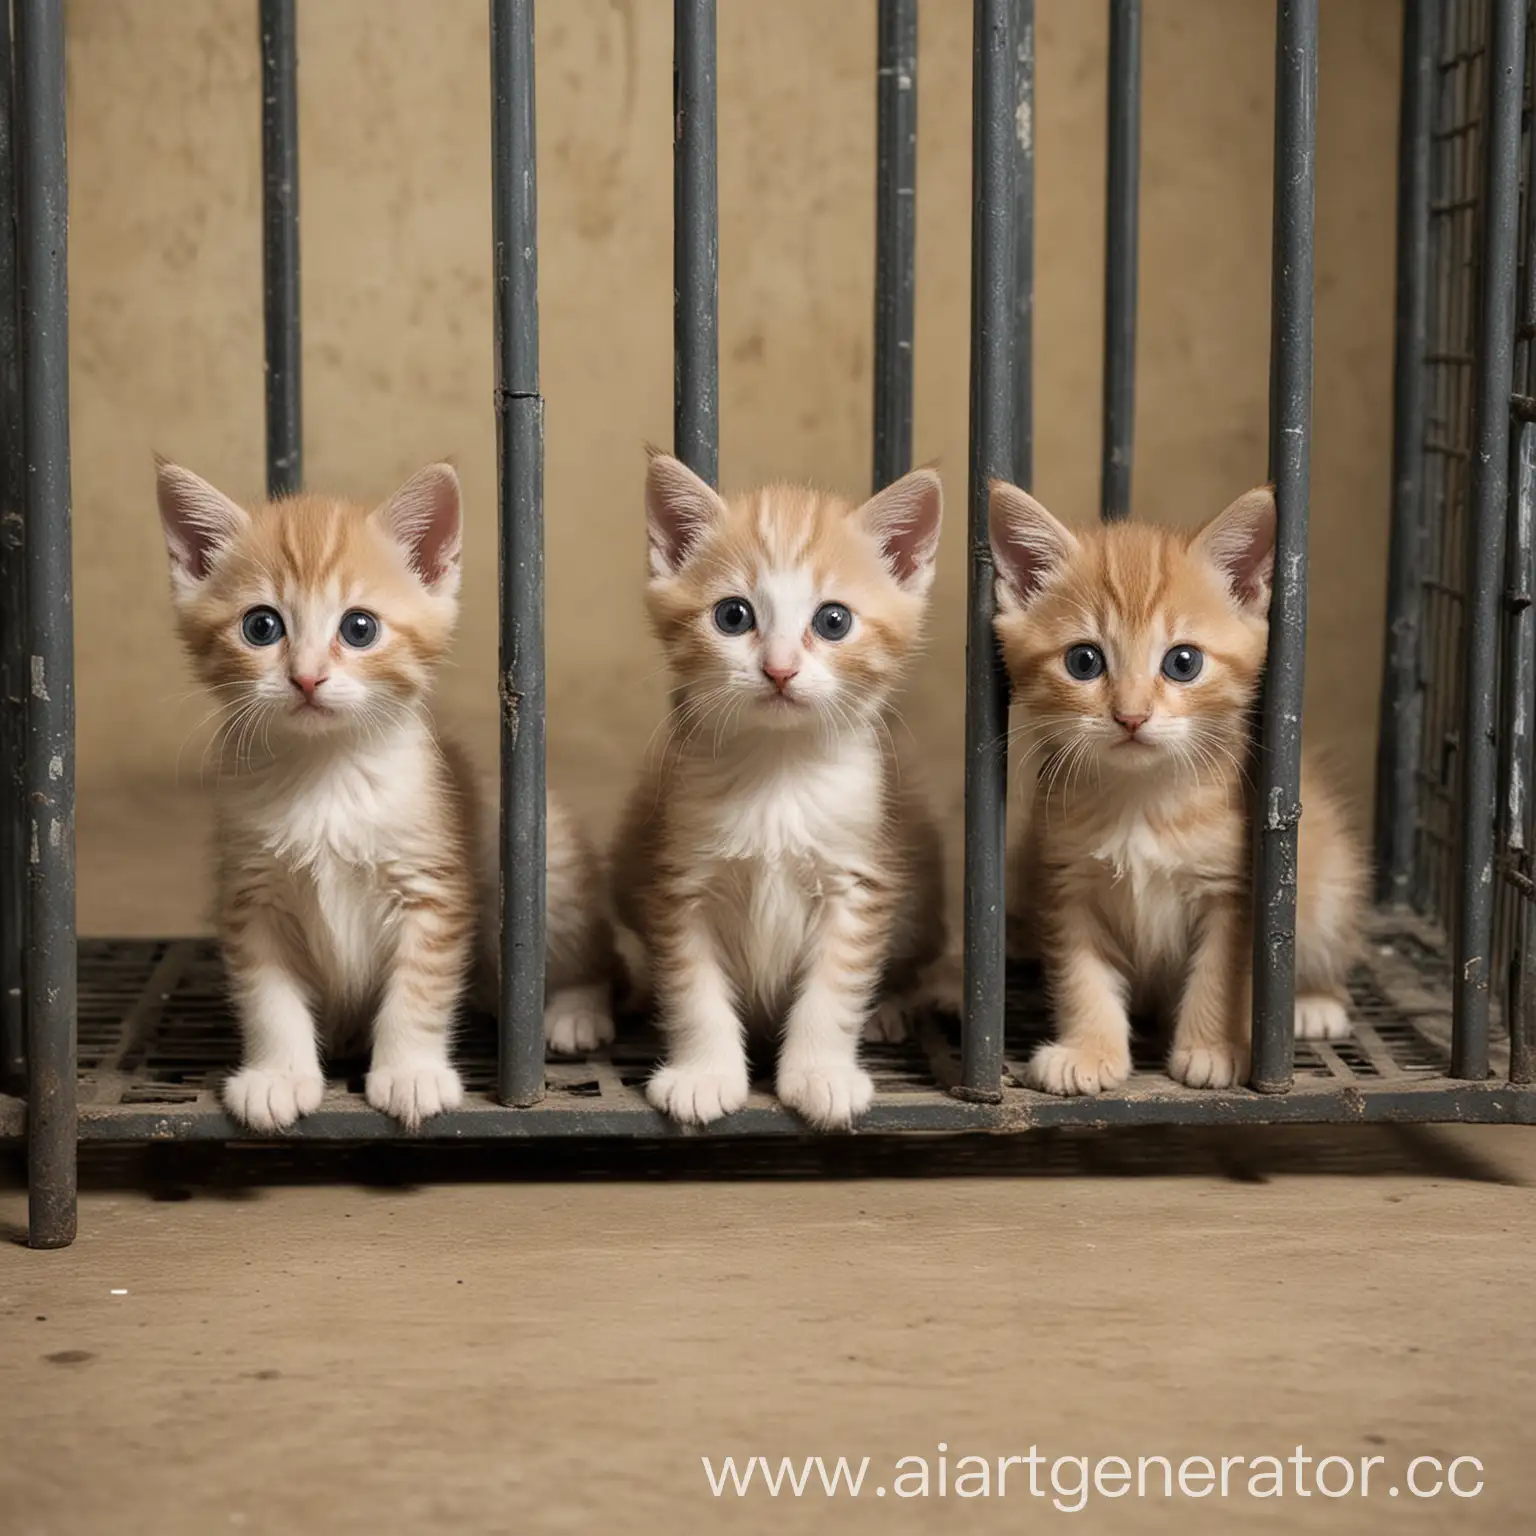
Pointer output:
x,y
1463,537
1455,202
156,1040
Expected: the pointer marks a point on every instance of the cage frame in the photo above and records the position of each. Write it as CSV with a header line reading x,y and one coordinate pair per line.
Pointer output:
x,y
1446,993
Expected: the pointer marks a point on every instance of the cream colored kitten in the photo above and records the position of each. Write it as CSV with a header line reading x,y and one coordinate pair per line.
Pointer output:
x,y
779,869
355,873
1136,655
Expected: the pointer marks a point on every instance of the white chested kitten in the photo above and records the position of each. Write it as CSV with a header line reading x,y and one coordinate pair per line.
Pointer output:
x,y
1135,655
356,870
779,869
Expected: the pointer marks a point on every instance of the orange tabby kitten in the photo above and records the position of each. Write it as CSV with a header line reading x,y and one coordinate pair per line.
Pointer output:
x,y
778,869
355,878
1136,654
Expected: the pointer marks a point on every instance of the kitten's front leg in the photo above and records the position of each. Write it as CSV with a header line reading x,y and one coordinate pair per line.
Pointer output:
x,y
704,1076
1092,1049
819,1076
279,1077
410,1075
1210,1035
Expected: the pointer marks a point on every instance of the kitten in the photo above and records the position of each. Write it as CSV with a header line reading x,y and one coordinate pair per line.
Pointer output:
x,y
778,866
1136,655
356,886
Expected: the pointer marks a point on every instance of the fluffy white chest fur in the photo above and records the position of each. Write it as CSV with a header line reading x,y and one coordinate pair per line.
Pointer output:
x,y
1150,885
781,825
335,835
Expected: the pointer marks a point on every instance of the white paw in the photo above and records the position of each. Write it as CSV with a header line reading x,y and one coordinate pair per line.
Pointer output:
x,y
577,1020
1070,1070
414,1092
272,1101
1208,1066
829,1095
887,1024
696,1095
1321,1018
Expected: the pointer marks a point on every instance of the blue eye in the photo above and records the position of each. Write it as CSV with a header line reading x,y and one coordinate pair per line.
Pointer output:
x,y
832,621
1085,662
1183,664
734,616
359,629
262,626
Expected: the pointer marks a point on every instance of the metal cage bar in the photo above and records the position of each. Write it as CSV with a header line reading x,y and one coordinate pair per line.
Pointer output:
x,y
1122,178
1515,764
1485,545
1391,1071
43,225
1519,669
1522,1001
993,277
695,241
13,716
1402,703
520,455
1278,810
1023,149
895,237
280,245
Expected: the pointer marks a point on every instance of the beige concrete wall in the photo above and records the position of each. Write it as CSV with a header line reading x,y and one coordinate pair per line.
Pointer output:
x,y
166,339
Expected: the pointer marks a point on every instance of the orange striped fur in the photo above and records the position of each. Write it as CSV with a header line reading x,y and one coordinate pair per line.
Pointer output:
x,y
1133,872
778,870
356,868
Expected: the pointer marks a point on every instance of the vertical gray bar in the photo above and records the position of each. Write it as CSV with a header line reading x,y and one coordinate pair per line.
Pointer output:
x,y
280,245
520,450
895,238
1486,525
1023,150
993,401
695,241
1520,650
13,715
1522,1000
43,227
1120,236
1402,702
1515,770
1278,809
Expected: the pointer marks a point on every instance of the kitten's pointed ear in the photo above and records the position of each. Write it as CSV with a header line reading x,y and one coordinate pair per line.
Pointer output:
x,y
199,523
905,518
1028,545
424,517
679,509
1240,543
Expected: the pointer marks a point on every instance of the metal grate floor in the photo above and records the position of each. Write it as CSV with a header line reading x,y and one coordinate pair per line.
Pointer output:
x,y
156,1037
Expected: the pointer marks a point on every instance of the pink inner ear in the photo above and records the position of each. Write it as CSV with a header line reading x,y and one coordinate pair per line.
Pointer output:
x,y
1241,545
199,521
905,518
1028,544
424,516
679,509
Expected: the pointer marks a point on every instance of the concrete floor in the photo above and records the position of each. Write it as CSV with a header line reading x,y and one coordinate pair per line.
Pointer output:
x,y
547,1341
550,1339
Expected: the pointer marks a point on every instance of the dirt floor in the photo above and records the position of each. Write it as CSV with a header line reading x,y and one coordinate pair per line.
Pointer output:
x,y
530,1341
537,1339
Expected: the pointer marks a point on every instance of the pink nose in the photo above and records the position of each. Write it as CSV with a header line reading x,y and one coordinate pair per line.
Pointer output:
x,y
1132,723
307,685
780,677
